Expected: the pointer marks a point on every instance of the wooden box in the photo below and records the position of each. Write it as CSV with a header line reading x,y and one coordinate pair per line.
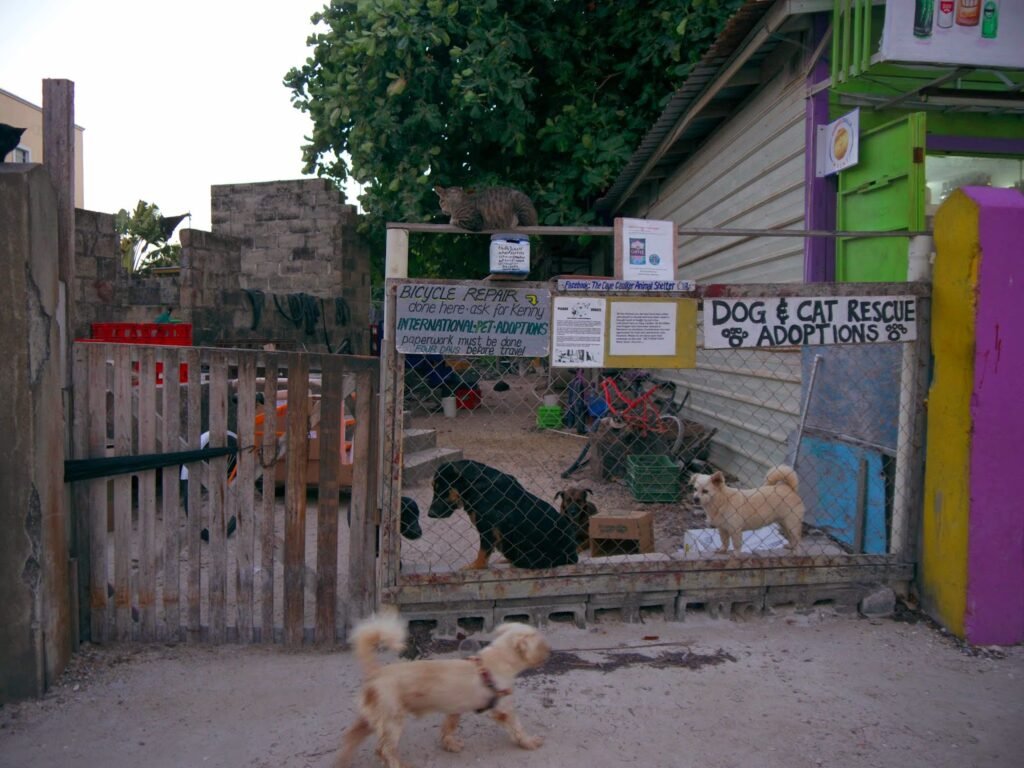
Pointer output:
x,y
621,533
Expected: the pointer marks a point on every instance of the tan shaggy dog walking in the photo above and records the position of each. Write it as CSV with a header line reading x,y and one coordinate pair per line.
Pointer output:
x,y
481,683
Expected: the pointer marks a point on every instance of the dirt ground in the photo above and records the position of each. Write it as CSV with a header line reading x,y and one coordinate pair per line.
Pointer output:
x,y
792,690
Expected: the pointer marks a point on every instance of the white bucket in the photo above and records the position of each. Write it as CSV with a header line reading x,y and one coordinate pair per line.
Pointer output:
x,y
550,400
448,403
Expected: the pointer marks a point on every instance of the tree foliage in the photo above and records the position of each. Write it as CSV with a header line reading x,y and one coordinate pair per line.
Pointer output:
x,y
144,234
549,96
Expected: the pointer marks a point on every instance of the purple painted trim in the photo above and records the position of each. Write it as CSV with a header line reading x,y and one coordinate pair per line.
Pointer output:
x,y
974,145
995,537
819,193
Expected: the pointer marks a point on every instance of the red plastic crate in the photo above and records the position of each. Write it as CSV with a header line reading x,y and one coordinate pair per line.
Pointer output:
x,y
169,334
182,373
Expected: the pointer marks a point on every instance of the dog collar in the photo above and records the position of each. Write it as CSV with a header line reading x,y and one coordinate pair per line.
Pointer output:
x,y
488,681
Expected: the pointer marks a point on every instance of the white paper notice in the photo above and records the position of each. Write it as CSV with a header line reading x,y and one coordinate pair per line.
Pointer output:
x,y
643,328
578,337
648,250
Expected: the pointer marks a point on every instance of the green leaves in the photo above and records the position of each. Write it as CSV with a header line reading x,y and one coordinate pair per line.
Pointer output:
x,y
144,234
549,96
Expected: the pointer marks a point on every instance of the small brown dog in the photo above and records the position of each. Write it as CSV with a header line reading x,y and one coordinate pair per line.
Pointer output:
x,y
733,511
577,508
481,683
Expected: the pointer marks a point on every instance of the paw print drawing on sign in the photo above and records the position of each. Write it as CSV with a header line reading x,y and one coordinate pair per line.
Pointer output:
x,y
735,336
895,331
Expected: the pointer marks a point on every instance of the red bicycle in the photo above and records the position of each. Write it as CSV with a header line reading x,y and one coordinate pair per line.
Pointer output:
x,y
644,413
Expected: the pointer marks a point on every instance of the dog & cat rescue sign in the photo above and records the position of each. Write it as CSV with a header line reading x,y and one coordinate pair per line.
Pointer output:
x,y
799,321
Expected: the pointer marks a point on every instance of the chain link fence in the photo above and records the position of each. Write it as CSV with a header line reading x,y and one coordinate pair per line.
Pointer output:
x,y
805,452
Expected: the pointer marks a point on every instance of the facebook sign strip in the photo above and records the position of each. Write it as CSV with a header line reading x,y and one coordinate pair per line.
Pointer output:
x,y
798,321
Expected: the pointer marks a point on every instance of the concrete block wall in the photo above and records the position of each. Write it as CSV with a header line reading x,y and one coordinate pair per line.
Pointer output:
x,y
210,295
299,238
279,238
104,291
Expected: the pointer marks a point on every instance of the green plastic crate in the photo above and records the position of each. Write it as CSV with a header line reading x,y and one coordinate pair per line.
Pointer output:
x,y
652,477
549,416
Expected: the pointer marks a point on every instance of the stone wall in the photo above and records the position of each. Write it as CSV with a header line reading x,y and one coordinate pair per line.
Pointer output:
x,y
293,241
104,291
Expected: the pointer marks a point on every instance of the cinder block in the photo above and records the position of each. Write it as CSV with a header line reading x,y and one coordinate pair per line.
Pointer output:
x,y
538,612
630,604
448,615
742,602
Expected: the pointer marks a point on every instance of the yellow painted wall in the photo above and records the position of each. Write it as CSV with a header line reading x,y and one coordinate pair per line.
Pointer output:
x,y
946,487
23,114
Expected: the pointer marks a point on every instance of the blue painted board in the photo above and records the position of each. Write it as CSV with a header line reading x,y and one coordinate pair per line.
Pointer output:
x,y
828,472
856,391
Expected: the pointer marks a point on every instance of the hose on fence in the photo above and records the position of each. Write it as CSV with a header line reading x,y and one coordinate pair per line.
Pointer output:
x,y
107,466
256,298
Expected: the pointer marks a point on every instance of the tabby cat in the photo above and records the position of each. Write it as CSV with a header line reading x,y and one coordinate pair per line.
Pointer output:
x,y
490,208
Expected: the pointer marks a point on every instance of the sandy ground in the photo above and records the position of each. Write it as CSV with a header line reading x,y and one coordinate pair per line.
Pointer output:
x,y
786,691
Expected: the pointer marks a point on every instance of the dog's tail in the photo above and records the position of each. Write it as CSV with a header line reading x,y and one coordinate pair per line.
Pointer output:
x,y
782,475
384,629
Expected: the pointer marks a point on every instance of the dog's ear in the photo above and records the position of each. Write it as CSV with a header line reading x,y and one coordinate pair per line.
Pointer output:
x,y
718,478
559,494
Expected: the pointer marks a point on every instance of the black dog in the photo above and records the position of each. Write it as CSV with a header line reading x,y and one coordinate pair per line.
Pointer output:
x,y
524,528
410,522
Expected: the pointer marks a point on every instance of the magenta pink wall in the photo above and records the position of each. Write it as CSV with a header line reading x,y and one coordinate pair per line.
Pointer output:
x,y
995,539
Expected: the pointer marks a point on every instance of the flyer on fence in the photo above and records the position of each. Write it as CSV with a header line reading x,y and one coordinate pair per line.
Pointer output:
x,y
645,249
799,320
578,335
647,328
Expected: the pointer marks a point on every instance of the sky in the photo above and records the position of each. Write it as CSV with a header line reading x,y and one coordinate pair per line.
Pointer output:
x,y
173,97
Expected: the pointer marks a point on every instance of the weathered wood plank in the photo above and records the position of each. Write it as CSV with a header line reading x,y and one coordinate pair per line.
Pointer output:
x,y
147,496
331,434
122,493
194,500
79,548
362,506
170,507
243,495
267,511
390,456
216,495
295,501
98,499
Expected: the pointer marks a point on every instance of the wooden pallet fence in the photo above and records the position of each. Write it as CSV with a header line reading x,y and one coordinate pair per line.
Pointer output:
x,y
148,572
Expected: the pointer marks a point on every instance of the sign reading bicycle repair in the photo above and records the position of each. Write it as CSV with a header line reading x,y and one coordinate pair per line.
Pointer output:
x,y
487,319
796,321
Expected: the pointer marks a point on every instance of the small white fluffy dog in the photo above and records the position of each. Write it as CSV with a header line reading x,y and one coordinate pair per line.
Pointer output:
x,y
734,510
482,683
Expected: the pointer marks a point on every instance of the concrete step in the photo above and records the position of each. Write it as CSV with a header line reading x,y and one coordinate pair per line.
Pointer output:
x,y
415,440
419,466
